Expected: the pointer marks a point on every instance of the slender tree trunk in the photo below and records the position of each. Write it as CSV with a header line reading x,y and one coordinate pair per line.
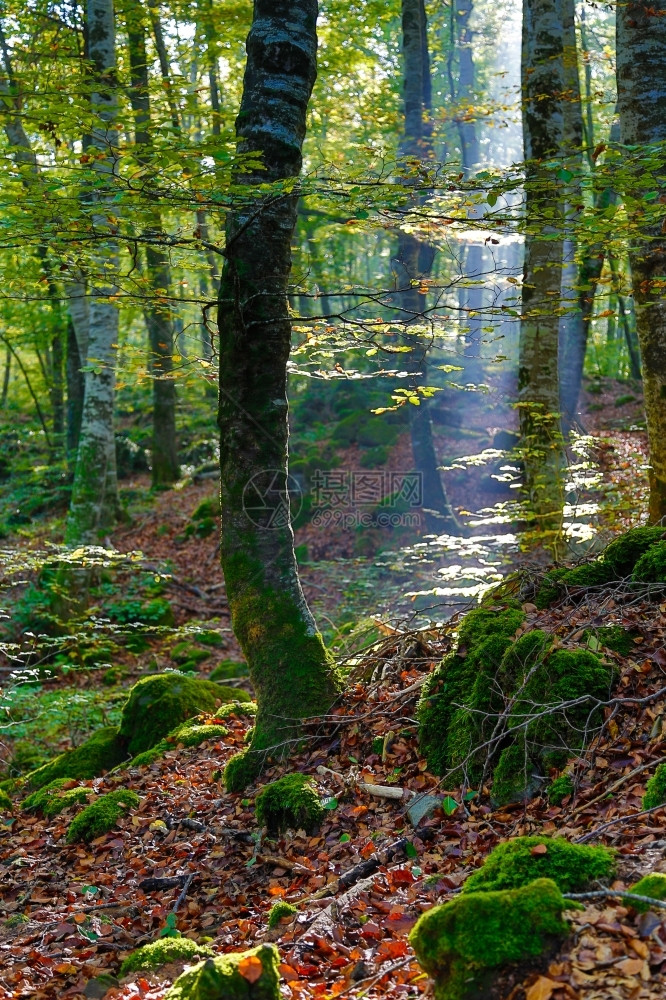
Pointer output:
x,y
5,378
158,311
543,87
95,491
641,86
75,392
416,260
292,674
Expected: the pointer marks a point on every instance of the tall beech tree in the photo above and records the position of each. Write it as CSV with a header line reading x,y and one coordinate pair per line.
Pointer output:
x,y
293,675
641,90
543,89
415,257
95,491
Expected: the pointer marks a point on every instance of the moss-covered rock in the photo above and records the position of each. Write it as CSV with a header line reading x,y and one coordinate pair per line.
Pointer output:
x,y
222,978
653,885
103,751
184,653
159,702
655,790
229,669
516,863
188,734
623,553
559,789
6,804
279,911
651,567
55,797
494,676
163,951
468,941
447,731
557,582
101,816
290,803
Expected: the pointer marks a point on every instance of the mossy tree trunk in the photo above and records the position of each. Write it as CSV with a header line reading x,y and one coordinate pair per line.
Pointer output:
x,y
415,258
292,673
641,86
543,87
95,490
157,311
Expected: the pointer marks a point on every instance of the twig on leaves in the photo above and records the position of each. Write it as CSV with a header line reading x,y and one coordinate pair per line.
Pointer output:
x,y
618,819
183,893
610,893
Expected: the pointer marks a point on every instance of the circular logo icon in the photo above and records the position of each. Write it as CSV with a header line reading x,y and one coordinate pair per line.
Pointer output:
x,y
271,499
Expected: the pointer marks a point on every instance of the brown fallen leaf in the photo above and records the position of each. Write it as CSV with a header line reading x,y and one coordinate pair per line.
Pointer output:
x,y
539,849
542,989
631,966
250,968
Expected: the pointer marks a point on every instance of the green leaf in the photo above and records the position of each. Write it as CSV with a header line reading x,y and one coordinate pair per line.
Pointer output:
x,y
410,850
329,803
449,805
344,837
470,795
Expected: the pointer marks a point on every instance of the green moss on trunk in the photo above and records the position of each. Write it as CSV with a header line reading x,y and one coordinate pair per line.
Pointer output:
x,y
290,803
102,752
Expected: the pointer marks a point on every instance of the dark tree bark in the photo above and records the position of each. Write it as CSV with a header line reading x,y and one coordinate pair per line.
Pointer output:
x,y
75,391
543,91
415,258
641,91
157,312
292,673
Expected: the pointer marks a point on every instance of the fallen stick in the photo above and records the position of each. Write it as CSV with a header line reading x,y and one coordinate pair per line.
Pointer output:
x,y
381,791
614,822
606,893
183,894
157,884
617,784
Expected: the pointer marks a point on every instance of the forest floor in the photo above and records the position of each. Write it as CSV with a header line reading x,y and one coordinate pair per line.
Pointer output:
x,y
71,912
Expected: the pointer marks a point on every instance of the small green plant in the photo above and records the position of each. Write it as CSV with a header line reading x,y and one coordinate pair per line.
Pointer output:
x,y
518,862
101,816
290,803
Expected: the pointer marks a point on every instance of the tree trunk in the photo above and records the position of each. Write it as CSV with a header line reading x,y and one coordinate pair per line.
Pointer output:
x,y
157,312
292,673
95,492
416,259
75,393
543,86
641,86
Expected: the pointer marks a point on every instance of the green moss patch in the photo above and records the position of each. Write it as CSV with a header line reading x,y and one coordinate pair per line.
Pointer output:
x,y
101,816
655,790
163,951
516,863
229,669
614,637
279,911
5,801
559,789
58,795
653,885
188,734
651,567
220,977
188,656
290,803
467,941
103,751
158,702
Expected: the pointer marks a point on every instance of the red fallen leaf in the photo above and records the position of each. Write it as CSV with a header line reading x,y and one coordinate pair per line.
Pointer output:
x,y
287,972
393,949
539,849
371,930
250,968
402,876
659,656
